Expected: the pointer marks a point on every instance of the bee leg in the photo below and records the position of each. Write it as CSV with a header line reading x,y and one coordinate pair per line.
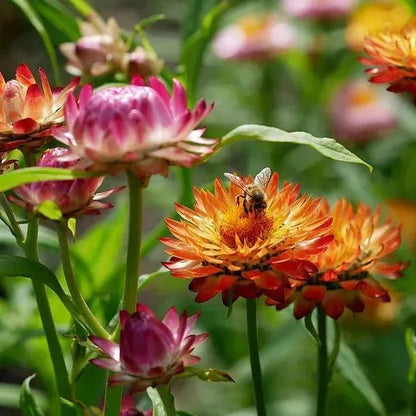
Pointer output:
x,y
245,206
237,199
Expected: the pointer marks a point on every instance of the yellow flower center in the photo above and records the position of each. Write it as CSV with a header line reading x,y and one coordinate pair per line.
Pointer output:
x,y
247,227
362,96
253,26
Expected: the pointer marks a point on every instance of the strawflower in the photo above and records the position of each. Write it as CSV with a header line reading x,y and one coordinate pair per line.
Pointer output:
x,y
224,248
347,269
73,197
255,38
136,127
393,57
28,110
371,18
151,351
318,9
360,112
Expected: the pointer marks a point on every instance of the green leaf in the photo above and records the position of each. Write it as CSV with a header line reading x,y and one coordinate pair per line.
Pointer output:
x,y
50,209
58,16
328,147
181,413
10,395
310,328
207,374
28,405
411,349
145,279
15,266
82,6
33,17
351,369
194,48
19,177
72,226
162,401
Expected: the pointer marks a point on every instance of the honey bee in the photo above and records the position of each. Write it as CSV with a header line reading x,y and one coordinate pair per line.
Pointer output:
x,y
253,196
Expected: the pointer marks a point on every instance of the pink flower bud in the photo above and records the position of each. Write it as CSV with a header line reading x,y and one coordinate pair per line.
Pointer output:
x,y
72,197
151,351
143,63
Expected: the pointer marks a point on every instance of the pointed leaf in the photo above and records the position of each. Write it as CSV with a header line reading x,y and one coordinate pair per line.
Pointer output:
x,y
328,147
72,226
207,374
310,328
351,369
162,401
50,209
28,405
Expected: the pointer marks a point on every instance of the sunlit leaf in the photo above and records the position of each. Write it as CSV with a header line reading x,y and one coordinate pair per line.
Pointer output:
x,y
328,147
50,209
351,369
207,374
28,404
19,177
72,226
82,6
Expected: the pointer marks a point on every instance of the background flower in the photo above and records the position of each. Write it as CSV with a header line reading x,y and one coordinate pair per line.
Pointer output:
x,y
151,351
322,9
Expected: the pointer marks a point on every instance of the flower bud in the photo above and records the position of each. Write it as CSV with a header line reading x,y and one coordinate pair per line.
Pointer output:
x,y
143,63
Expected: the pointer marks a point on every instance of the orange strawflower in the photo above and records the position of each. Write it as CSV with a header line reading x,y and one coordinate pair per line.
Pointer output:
x,y
29,110
346,270
236,246
393,57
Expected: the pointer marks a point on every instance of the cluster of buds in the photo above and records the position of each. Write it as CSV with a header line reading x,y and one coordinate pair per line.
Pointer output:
x,y
102,51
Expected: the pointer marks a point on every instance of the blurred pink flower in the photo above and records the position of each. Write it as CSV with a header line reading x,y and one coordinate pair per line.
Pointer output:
x,y
318,9
151,351
255,38
359,112
135,127
73,197
29,110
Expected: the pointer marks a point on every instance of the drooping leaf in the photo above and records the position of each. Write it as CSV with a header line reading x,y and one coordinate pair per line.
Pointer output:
x,y
351,369
15,266
310,328
162,401
28,404
33,17
50,209
19,177
10,396
328,147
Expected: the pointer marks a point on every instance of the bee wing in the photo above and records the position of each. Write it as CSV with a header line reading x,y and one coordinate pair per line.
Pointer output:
x,y
236,180
263,178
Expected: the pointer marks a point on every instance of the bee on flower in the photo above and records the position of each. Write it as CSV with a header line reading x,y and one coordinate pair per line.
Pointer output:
x,y
347,269
250,247
28,110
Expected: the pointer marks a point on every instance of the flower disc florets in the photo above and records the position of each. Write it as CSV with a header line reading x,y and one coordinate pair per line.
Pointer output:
x,y
392,55
346,270
137,127
72,198
151,351
225,249
29,111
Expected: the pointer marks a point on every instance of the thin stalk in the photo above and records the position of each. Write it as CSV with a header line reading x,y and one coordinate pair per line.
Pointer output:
x,y
55,350
88,317
113,396
254,356
322,365
12,222
134,241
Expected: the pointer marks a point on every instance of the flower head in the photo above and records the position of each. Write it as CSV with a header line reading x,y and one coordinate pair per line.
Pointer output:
x,y
373,17
28,111
151,351
73,197
359,112
318,9
225,247
393,58
255,38
137,127
346,270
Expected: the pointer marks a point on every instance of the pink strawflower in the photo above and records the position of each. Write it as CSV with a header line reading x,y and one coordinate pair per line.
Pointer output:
x,y
318,9
29,110
151,351
359,112
255,38
137,127
73,197
128,408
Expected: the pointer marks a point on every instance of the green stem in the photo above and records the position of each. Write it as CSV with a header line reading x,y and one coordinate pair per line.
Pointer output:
x,y
88,317
413,400
12,223
335,349
167,400
134,240
113,396
254,356
55,350
322,365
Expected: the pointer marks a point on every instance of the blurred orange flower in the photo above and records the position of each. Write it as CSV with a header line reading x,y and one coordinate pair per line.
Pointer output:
x,y
373,17
29,111
346,270
404,212
225,248
392,55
